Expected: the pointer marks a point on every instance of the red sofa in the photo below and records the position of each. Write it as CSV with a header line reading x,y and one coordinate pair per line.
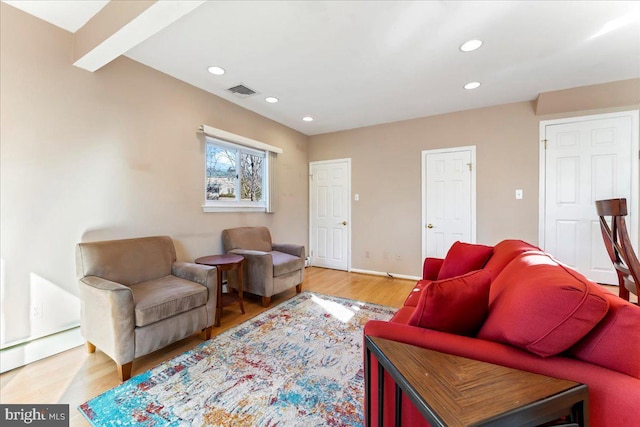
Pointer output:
x,y
515,306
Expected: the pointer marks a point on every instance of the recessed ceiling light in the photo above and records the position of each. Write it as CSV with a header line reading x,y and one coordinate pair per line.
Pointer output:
x,y
471,45
307,119
216,70
472,85
271,99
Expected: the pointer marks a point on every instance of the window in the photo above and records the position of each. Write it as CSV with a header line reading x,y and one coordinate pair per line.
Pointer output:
x,y
240,173
236,177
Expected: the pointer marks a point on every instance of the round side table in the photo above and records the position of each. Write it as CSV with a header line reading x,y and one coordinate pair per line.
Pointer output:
x,y
226,262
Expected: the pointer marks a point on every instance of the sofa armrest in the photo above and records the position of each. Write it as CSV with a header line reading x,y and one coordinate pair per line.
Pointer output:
x,y
614,396
206,276
431,268
203,274
257,272
108,318
295,250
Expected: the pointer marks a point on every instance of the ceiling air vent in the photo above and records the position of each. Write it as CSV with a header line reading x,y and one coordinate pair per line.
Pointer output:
x,y
242,91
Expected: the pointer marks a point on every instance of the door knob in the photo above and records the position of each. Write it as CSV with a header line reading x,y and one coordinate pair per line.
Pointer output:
x,y
429,225
344,222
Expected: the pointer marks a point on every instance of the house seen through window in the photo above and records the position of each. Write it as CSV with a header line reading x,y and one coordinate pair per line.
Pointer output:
x,y
235,175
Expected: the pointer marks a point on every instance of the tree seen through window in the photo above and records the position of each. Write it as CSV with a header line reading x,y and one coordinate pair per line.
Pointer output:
x,y
233,171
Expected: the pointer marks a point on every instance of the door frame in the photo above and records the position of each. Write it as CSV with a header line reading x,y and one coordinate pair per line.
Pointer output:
x,y
425,153
348,207
633,205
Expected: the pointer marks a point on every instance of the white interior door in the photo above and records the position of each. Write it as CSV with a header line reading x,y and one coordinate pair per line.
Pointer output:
x,y
587,159
448,199
330,213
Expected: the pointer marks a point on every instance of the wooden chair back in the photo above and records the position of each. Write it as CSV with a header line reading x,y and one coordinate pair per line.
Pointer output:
x,y
619,248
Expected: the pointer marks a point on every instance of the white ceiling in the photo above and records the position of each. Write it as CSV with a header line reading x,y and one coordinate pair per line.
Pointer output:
x,y
358,63
68,15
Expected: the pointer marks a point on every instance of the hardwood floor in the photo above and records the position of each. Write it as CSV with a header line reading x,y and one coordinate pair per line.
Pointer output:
x,y
74,376
614,290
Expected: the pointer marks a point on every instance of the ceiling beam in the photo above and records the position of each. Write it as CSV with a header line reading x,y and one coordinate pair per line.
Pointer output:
x,y
122,25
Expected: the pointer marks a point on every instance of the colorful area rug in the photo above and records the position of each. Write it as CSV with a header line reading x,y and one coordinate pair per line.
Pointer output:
x,y
297,364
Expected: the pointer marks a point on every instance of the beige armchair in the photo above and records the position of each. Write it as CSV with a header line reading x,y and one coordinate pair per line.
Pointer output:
x,y
135,297
269,268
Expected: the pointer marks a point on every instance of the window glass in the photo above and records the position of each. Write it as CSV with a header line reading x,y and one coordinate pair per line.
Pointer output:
x,y
221,173
251,182
234,175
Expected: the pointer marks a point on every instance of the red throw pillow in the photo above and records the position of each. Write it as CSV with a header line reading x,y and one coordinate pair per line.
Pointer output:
x,y
542,306
615,342
463,258
457,305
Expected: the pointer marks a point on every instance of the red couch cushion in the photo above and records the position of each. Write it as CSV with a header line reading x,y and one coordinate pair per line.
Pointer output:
x,y
542,306
457,305
414,295
615,342
504,252
463,258
402,315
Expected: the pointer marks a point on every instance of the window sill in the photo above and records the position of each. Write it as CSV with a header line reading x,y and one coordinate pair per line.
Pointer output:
x,y
237,208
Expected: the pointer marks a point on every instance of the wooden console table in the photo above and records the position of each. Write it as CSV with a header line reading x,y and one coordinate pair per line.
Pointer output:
x,y
226,262
455,391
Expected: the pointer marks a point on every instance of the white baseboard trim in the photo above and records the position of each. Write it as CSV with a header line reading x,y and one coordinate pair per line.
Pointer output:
x,y
29,352
380,273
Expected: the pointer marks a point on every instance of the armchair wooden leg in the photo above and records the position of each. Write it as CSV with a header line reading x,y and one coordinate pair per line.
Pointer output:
x,y
90,348
124,371
266,301
298,288
207,333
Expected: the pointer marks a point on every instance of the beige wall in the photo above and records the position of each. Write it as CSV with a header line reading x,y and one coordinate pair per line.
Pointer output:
x,y
386,173
111,154
114,154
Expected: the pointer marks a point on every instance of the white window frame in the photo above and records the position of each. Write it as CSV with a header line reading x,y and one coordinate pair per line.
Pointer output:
x,y
237,205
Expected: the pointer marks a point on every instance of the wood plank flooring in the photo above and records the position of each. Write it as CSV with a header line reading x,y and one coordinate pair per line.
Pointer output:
x,y
74,376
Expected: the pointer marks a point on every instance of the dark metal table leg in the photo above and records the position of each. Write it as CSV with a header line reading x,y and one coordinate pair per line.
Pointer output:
x,y
367,386
398,406
380,395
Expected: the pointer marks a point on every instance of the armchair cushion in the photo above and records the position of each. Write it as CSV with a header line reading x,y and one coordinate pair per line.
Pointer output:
x,y
159,299
285,263
463,258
